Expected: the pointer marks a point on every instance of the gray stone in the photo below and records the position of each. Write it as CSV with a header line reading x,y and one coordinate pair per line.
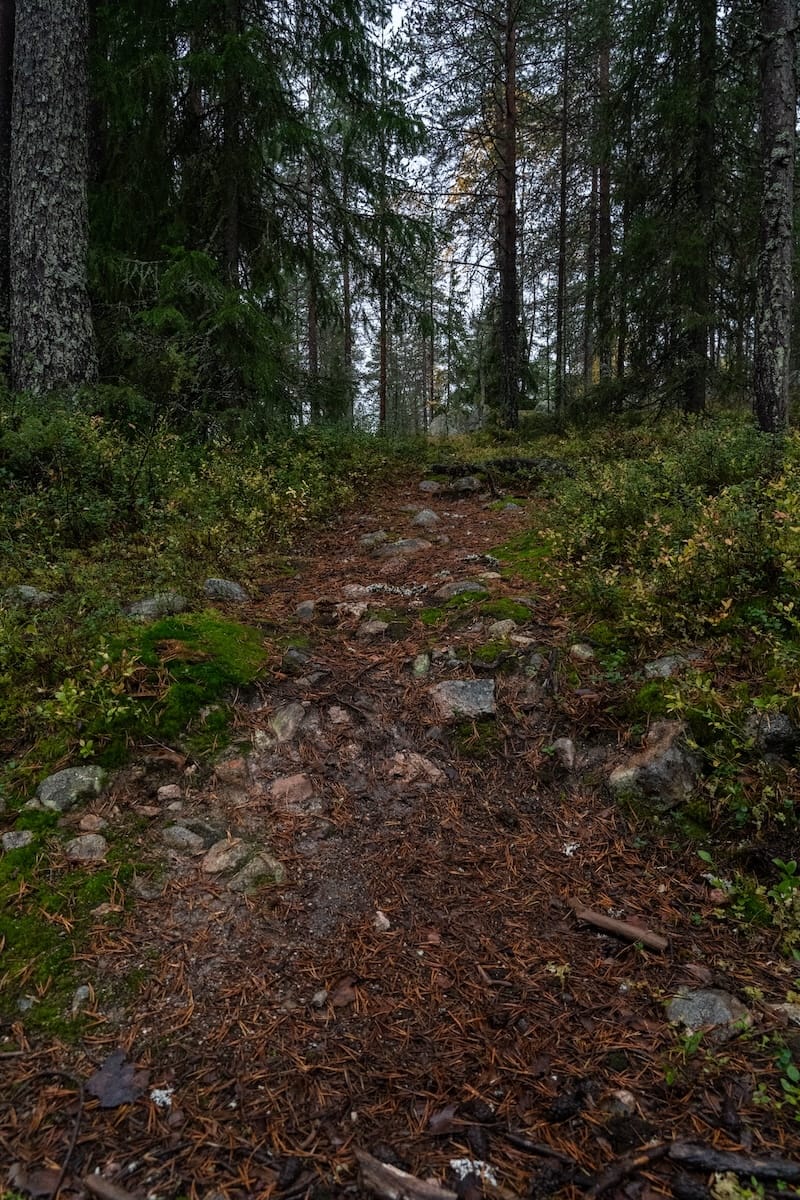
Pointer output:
x,y
373,629
460,587
80,997
500,630
355,591
169,791
426,518
286,721
430,486
790,1011
305,610
421,666
715,1012
564,751
370,540
581,652
228,854
225,589
468,483
61,791
773,733
292,791
17,839
464,698
262,868
22,595
162,604
87,847
535,665
666,667
511,507
404,547
233,772
178,837
93,823
295,659
666,770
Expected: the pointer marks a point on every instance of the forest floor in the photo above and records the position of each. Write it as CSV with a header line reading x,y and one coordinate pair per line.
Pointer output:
x,y
417,986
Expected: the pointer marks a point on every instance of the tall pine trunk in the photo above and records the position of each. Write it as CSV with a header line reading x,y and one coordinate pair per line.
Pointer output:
x,y
561,294
6,74
774,294
507,221
231,134
51,327
699,297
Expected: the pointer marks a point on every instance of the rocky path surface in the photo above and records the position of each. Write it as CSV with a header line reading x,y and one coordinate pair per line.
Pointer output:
x,y
358,934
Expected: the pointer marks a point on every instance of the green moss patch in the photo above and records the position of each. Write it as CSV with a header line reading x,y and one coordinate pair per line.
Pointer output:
x,y
477,740
503,609
526,555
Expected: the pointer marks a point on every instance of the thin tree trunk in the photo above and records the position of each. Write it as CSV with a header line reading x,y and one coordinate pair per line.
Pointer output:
x,y
561,293
51,322
703,184
591,287
507,221
231,134
6,80
604,249
774,296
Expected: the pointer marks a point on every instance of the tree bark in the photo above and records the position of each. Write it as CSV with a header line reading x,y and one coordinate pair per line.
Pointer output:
x,y
50,315
774,294
231,133
6,76
703,184
561,294
507,221
604,248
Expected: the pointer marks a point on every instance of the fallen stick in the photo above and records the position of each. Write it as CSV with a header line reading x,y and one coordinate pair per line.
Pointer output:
x,y
390,1183
623,1167
623,929
522,1143
704,1158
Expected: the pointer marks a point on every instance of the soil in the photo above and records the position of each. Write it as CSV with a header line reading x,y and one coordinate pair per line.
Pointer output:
x,y
418,985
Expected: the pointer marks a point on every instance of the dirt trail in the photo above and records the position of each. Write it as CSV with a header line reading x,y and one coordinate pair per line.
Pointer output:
x,y
417,986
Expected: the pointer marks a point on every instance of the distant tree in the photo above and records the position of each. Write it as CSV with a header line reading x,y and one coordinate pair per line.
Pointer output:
x,y
774,294
6,75
51,326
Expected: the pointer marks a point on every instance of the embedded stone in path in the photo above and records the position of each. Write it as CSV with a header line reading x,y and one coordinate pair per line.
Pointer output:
x,y
292,791
162,604
225,589
709,1009
421,666
22,595
184,840
408,767
405,546
287,720
666,769
17,839
665,667
262,868
355,591
370,540
581,652
426,518
226,855
373,629
61,791
87,847
305,610
500,630
468,483
430,486
460,587
464,698
565,753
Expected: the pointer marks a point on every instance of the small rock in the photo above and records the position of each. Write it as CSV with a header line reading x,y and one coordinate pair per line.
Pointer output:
x,y
225,589
232,772
305,610
320,998
81,996
710,1010
17,839
581,652
666,769
292,791
511,507
564,750
286,721
430,486
464,698
664,668
262,868
338,715
178,837
352,608
381,922
92,823
61,791
460,587
373,629
408,767
162,604
790,1011
773,733
22,595
355,591
421,666
468,483
426,518
225,855
169,791
501,630
443,654
370,540
147,889
87,847
535,665
404,547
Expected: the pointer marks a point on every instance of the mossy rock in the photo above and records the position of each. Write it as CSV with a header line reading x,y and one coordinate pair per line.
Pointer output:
x,y
477,740
503,609
649,701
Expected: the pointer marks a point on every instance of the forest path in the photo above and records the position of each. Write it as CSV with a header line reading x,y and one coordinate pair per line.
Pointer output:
x,y
416,985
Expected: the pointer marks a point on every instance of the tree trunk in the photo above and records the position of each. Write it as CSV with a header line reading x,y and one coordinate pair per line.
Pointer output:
x,y
604,248
703,183
591,287
561,294
507,221
231,134
50,316
6,77
774,295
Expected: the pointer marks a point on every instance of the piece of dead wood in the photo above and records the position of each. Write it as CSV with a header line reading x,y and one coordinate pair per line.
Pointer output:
x,y
705,1158
104,1189
623,1167
623,929
522,1143
390,1183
